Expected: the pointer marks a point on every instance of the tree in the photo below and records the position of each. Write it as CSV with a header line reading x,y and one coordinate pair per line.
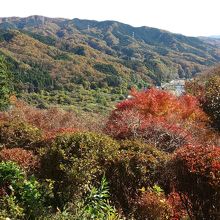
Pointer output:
x,y
211,104
206,87
194,173
5,85
157,117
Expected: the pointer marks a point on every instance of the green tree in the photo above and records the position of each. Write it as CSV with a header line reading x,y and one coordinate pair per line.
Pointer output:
x,y
5,85
211,103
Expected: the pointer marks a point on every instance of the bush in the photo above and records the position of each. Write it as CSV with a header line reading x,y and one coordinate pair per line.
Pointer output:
x,y
10,208
135,166
18,134
24,158
179,211
211,104
76,161
96,204
20,196
53,120
206,88
195,174
152,205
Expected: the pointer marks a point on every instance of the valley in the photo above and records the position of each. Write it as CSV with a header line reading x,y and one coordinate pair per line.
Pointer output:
x,y
52,59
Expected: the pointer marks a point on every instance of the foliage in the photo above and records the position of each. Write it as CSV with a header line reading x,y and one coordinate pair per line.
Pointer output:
x,y
20,196
206,87
152,205
194,173
54,120
5,85
10,208
18,134
195,88
157,117
10,173
62,56
106,68
135,166
24,158
75,161
179,211
96,204
211,104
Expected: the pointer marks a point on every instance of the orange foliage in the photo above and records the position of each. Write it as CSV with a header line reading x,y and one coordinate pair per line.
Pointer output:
x,y
157,115
24,158
164,105
151,205
53,120
178,208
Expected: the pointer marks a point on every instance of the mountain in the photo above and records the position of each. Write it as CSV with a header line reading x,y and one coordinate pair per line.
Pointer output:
x,y
215,41
215,36
109,57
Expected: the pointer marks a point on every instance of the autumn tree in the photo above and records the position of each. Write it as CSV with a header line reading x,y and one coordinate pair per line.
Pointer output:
x,y
157,117
206,87
194,173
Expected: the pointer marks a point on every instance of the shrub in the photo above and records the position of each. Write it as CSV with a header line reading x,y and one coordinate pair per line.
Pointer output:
x,y
21,196
53,120
195,88
96,204
10,208
24,158
135,166
207,90
211,104
76,161
179,211
152,205
195,174
18,134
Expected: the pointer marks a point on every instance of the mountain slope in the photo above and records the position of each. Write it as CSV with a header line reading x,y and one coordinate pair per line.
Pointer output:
x,y
61,54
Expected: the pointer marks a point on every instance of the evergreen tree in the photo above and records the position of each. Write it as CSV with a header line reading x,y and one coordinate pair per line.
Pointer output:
x,y
5,85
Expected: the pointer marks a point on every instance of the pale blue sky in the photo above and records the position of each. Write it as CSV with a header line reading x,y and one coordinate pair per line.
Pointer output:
x,y
189,17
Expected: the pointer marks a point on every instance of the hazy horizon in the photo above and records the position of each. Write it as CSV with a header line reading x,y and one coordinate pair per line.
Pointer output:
x,y
191,18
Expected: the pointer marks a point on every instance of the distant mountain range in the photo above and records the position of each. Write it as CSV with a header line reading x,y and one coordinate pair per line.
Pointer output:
x,y
46,52
215,36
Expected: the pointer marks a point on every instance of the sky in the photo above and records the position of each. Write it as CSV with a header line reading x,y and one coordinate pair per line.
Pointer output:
x,y
188,17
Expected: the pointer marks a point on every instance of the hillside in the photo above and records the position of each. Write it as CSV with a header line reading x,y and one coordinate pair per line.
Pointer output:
x,y
215,41
76,56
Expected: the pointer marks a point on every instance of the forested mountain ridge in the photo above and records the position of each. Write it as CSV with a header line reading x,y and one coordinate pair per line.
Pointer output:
x,y
61,54
173,53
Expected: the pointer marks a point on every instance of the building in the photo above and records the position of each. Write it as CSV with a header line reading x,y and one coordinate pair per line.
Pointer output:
x,y
177,87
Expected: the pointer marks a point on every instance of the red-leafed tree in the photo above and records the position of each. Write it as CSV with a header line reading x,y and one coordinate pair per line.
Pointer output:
x,y
194,172
158,117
